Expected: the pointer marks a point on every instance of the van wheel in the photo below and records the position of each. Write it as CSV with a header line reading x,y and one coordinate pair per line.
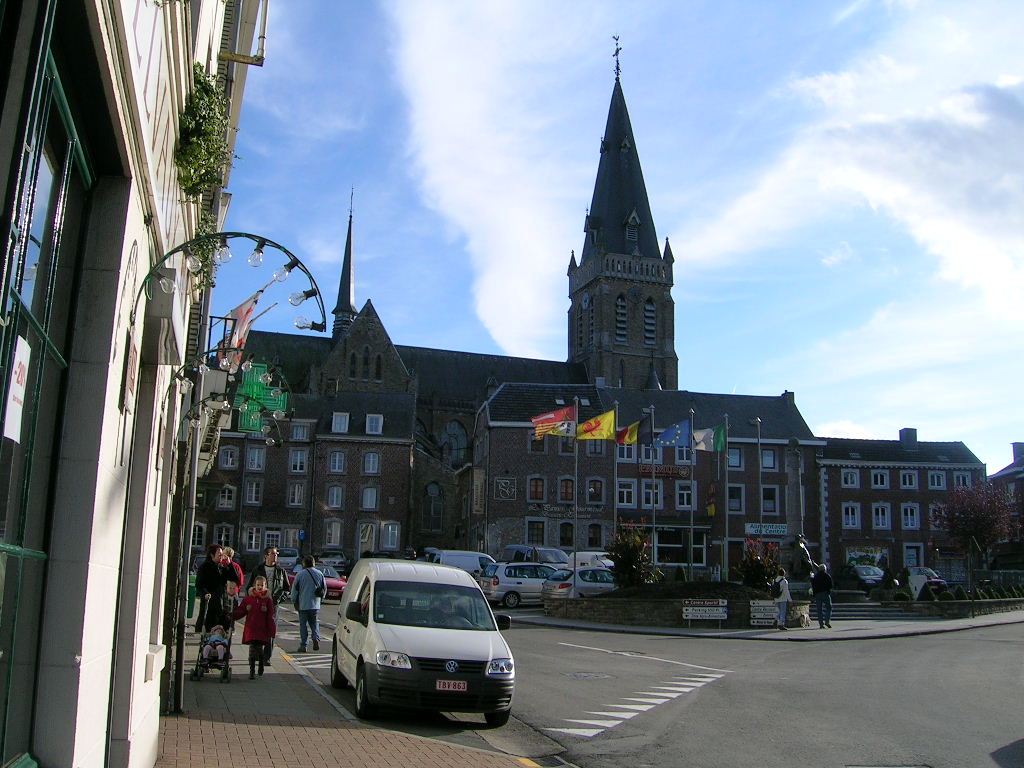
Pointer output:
x,y
511,599
364,709
337,679
497,719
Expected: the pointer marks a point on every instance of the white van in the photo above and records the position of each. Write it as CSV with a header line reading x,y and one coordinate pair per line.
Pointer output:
x,y
471,562
594,558
421,635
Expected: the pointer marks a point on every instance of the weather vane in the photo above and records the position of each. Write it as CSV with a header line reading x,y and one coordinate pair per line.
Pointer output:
x,y
618,50
351,197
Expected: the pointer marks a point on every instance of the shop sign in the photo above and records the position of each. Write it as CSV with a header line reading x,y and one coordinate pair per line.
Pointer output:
x,y
666,470
766,529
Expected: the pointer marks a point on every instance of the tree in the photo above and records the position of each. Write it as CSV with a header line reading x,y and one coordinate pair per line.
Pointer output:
x,y
975,517
631,552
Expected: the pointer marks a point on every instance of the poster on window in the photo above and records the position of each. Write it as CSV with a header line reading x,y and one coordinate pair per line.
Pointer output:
x,y
866,554
16,390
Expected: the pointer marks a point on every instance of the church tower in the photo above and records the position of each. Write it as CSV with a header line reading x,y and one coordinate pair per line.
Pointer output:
x,y
345,311
622,316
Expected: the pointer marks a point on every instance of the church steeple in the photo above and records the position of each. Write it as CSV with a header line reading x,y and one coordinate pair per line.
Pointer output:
x,y
622,316
345,311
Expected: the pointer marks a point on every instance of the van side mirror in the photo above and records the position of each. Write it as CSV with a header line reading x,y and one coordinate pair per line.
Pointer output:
x,y
503,620
354,612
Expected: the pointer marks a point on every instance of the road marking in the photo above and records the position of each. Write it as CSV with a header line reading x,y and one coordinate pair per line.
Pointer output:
x,y
661,694
588,732
637,707
621,715
633,655
602,723
652,702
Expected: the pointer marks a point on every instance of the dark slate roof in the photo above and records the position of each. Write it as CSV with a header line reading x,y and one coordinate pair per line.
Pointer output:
x,y
519,402
619,190
1010,470
897,452
780,419
398,409
465,375
294,353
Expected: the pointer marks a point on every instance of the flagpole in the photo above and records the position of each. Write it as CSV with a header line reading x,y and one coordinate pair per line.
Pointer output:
x,y
693,494
654,510
615,472
575,494
725,535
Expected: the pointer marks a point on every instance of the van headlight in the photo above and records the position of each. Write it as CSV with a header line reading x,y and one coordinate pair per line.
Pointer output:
x,y
393,660
500,667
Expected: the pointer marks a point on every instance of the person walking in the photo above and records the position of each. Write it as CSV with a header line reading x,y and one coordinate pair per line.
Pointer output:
x,y
258,610
307,589
277,588
782,597
229,560
212,578
821,589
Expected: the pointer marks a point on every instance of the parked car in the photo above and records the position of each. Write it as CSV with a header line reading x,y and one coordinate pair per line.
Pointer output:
x,y
863,577
588,582
471,562
333,580
335,558
287,557
596,558
527,553
919,576
419,635
513,583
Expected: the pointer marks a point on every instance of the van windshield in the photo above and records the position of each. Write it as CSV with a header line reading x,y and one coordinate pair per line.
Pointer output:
x,y
443,606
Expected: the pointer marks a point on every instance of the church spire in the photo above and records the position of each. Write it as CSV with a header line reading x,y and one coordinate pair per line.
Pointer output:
x,y
620,220
345,311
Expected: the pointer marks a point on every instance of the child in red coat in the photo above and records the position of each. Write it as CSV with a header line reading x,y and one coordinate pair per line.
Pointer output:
x,y
257,608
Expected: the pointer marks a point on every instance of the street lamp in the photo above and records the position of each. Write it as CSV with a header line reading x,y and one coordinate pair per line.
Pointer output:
x,y
756,421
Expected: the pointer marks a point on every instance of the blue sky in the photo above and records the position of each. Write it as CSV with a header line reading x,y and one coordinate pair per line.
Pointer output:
x,y
842,184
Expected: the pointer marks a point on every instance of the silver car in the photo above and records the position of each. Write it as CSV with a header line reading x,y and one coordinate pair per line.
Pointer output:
x,y
588,582
513,583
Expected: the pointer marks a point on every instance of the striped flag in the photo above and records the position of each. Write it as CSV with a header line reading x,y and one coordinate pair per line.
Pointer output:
x,y
598,428
627,435
560,422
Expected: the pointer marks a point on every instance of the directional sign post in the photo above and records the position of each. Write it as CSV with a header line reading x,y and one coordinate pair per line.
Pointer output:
x,y
705,610
763,613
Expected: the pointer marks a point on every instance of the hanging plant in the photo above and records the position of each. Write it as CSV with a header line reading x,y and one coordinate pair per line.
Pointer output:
x,y
202,153
204,251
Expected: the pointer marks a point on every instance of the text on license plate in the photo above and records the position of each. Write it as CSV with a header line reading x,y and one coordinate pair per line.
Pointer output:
x,y
451,685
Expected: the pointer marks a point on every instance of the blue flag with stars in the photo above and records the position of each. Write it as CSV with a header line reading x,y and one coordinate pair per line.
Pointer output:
x,y
677,434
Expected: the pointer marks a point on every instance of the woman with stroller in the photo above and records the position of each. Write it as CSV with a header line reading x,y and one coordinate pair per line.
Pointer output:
x,y
257,608
212,579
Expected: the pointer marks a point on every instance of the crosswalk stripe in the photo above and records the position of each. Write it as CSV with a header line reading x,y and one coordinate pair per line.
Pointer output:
x,y
601,723
588,732
621,715
652,702
660,694
637,707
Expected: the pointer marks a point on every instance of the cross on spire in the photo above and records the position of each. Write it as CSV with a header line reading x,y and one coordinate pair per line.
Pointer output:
x,y
618,50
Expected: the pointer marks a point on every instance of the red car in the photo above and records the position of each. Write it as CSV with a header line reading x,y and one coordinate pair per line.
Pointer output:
x,y
334,580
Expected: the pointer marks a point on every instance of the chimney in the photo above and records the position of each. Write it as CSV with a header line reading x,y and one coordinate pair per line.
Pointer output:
x,y
908,436
1018,453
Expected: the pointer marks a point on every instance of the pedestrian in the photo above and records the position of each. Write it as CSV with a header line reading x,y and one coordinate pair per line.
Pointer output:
x,y
258,610
780,593
229,560
277,587
307,589
212,578
821,589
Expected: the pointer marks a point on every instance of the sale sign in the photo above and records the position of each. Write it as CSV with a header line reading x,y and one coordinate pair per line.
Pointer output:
x,y
16,390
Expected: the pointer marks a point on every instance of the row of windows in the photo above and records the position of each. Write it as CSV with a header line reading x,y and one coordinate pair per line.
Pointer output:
x,y
298,460
256,538
908,479
881,516
295,495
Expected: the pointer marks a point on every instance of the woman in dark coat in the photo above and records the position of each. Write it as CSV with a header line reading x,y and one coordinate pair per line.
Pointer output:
x,y
212,578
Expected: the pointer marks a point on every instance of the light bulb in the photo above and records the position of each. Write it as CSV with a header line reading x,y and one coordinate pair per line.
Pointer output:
x,y
266,429
280,274
203,369
243,406
276,392
296,298
224,363
278,414
225,405
247,366
193,263
270,441
167,285
302,323
256,257
185,385
194,421
266,378
223,254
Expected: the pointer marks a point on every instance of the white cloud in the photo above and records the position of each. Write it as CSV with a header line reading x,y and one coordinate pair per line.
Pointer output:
x,y
837,254
844,428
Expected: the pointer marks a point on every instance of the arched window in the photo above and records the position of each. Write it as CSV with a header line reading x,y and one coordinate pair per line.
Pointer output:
x,y
366,363
433,506
595,489
566,489
455,444
565,535
352,365
650,324
621,321
594,536
377,368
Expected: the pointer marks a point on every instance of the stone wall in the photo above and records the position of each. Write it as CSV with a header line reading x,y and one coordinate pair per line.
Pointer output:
x,y
960,609
660,613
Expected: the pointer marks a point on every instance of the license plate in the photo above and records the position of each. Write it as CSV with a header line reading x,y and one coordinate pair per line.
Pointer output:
x,y
451,685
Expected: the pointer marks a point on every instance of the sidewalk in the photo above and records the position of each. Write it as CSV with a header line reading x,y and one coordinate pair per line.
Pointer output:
x,y
286,718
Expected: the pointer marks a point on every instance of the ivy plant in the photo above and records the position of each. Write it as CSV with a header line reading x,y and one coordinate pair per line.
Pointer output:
x,y
202,153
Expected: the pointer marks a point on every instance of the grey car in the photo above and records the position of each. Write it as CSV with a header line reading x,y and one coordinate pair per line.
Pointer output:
x,y
513,583
588,582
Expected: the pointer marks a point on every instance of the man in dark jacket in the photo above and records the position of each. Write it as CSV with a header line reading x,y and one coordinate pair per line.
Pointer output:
x,y
821,588
277,584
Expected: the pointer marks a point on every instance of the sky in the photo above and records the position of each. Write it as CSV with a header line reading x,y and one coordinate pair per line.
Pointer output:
x,y
842,184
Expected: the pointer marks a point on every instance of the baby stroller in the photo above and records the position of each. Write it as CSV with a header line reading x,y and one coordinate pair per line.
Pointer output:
x,y
212,662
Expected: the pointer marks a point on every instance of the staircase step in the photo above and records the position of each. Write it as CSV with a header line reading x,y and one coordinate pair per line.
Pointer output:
x,y
855,611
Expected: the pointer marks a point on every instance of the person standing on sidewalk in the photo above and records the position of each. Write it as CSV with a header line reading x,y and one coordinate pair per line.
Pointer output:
x,y
212,578
782,597
277,586
258,610
821,589
307,589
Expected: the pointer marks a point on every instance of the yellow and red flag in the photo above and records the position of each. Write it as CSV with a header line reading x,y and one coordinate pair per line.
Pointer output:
x,y
627,435
598,428
560,422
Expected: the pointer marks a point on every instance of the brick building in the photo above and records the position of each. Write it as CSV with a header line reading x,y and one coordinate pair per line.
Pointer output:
x,y
1010,553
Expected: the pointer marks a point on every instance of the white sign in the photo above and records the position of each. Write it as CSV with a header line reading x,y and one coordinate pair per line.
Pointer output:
x,y
766,529
16,390
705,610
763,613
